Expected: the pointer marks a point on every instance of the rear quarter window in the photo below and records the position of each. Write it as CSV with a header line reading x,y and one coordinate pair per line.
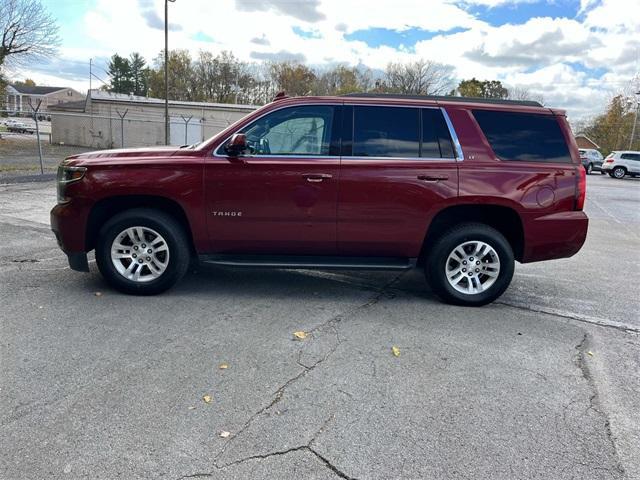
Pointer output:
x,y
526,137
630,156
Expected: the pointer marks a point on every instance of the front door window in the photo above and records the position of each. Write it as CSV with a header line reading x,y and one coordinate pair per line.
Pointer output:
x,y
297,131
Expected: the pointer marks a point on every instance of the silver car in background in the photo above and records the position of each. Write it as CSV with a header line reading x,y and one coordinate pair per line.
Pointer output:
x,y
591,160
619,164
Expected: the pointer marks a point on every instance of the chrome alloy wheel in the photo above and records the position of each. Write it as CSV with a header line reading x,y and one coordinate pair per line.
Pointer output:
x,y
140,254
472,267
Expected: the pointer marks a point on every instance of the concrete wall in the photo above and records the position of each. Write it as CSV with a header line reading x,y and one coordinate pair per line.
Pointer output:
x,y
143,125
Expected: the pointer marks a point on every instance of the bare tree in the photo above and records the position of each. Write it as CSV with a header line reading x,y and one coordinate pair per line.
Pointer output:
x,y
523,93
422,77
27,31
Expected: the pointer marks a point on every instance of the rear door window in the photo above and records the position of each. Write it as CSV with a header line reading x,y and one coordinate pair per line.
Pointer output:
x,y
436,140
526,137
386,132
400,132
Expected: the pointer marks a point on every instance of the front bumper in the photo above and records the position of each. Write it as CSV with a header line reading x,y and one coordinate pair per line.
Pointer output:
x,y
68,224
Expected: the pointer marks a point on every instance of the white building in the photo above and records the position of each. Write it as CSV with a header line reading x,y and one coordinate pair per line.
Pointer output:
x,y
19,96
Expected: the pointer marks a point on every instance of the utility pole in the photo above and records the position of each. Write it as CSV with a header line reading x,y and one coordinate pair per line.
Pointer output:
x,y
36,111
166,70
635,120
90,104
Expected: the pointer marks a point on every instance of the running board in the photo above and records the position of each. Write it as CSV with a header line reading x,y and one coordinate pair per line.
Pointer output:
x,y
311,262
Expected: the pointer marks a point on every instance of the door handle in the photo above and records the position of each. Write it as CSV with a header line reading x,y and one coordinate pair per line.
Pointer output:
x,y
433,178
316,177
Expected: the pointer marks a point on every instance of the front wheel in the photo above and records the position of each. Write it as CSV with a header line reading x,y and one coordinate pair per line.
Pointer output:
x,y
142,251
589,169
471,264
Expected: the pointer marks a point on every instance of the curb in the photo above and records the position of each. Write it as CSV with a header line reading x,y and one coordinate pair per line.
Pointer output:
x,y
47,177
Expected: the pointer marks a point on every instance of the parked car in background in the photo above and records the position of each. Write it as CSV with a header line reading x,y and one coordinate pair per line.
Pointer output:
x,y
19,127
458,187
591,160
620,164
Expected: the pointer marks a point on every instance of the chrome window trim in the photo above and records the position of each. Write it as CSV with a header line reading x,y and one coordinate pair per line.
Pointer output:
x,y
454,136
331,104
409,159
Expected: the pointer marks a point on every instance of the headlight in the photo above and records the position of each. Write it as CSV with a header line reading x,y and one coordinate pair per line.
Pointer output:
x,y
67,175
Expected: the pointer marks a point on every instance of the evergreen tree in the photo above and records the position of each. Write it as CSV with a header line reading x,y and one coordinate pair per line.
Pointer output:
x,y
120,73
139,74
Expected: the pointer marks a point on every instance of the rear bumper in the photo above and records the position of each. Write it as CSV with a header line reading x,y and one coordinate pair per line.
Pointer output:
x,y
68,224
559,235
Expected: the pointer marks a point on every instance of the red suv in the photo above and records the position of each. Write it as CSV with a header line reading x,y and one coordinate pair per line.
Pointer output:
x,y
459,187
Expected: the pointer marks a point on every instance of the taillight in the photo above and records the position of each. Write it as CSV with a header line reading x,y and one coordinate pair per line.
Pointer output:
x,y
581,188
609,160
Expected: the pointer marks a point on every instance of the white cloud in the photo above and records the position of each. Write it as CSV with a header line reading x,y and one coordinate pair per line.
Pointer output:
x,y
554,57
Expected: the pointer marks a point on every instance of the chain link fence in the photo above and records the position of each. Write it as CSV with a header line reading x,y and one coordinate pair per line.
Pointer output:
x,y
34,143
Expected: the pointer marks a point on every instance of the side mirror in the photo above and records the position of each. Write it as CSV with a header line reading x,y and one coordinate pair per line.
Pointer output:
x,y
237,145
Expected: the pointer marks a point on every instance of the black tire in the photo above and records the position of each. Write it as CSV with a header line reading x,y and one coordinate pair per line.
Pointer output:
x,y
589,169
602,172
437,260
618,172
172,232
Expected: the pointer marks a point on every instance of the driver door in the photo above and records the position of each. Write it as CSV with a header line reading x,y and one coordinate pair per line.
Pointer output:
x,y
280,196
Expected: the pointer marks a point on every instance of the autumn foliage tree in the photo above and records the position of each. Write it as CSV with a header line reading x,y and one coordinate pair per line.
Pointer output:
x,y
612,129
481,89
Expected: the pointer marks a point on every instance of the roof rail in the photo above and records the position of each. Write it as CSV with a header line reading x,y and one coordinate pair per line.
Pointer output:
x,y
498,101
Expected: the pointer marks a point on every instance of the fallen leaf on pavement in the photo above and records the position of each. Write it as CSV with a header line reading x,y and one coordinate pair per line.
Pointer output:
x,y
223,366
590,353
207,398
396,351
192,408
224,434
98,294
300,335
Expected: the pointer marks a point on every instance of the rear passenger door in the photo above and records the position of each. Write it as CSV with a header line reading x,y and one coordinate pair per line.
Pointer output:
x,y
398,166
632,162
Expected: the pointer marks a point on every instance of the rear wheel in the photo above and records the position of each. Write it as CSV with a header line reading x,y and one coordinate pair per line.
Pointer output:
x,y
618,172
142,251
471,264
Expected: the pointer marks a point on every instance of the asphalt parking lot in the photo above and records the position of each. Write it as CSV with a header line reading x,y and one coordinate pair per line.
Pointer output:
x,y
543,384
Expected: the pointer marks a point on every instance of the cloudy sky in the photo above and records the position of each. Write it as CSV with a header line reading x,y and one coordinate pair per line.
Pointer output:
x,y
576,53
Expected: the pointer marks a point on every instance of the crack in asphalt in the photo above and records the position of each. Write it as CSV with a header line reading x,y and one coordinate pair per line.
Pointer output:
x,y
601,322
279,393
302,448
594,402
